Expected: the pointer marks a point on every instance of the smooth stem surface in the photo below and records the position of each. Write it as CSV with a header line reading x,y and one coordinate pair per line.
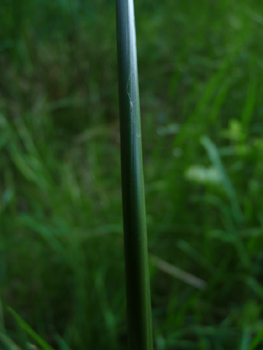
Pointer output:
x,y
135,235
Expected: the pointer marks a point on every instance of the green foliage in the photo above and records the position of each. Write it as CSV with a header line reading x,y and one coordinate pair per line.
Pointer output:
x,y
61,242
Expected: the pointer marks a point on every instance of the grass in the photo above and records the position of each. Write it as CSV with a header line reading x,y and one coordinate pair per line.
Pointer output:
x,y
61,241
138,302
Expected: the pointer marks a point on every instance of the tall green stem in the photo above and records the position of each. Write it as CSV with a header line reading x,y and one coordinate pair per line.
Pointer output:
x,y
135,235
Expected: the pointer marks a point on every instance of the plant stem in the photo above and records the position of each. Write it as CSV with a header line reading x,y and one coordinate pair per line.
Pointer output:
x,y
134,217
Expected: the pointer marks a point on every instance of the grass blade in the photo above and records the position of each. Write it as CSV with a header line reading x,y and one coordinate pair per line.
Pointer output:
x,y
231,193
257,340
8,343
30,331
178,273
135,236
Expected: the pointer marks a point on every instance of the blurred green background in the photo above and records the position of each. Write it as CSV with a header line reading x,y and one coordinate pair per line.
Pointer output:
x,y
61,241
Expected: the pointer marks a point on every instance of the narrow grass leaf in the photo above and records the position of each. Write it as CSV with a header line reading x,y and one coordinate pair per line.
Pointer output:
x,y
256,341
250,102
8,343
62,344
245,340
178,273
216,161
30,331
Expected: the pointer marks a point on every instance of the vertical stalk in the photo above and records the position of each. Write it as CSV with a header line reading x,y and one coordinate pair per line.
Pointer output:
x,y
134,217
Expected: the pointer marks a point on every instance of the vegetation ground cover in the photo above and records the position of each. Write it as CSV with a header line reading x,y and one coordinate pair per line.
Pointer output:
x,y
61,241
